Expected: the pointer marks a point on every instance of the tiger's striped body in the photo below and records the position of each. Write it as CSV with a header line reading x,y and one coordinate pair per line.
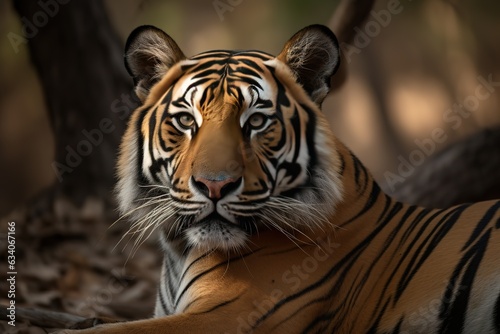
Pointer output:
x,y
269,224
382,285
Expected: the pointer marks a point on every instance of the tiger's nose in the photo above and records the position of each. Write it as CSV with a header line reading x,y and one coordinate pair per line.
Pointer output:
x,y
216,189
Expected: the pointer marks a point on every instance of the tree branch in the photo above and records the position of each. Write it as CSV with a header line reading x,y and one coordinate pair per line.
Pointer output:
x,y
348,15
463,172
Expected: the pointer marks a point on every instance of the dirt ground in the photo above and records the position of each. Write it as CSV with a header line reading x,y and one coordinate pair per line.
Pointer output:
x,y
75,261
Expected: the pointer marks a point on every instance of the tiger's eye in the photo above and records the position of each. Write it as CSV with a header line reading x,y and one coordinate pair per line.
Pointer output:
x,y
186,121
257,120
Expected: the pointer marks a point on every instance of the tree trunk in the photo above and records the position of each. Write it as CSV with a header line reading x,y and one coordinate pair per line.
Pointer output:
x,y
349,14
464,172
78,57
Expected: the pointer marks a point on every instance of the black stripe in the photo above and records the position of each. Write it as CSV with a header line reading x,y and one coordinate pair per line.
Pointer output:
x,y
372,199
204,76
227,302
456,297
427,246
252,64
295,123
166,101
179,102
156,164
263,103
356,169
324,319
207,64
261,191
342,164
269,175
310,136
390,239
162,301
191,264
281,97
359,169
282,140
283,251
342,268
165,115
141,178
206,272
246,71
403,221
397,329
170,262
383,220
236,81
195,84
235,91
207,96
416,222
355,287
187,67
213,54
254,53
496,315
172,275
374,328
482,224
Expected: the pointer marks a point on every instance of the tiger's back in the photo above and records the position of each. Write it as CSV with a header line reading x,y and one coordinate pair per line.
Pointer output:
x,y
268,223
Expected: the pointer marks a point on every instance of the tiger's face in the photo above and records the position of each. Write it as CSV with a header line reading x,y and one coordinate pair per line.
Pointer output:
x,y
228,142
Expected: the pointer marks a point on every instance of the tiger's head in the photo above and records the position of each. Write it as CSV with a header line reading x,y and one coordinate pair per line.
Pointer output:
x,y
227,143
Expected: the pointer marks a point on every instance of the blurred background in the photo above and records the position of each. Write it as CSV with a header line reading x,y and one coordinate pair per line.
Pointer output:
x,y
420,76
398,89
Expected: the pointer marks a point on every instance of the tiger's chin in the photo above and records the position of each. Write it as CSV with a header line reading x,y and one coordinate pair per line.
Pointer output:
x,y
216,233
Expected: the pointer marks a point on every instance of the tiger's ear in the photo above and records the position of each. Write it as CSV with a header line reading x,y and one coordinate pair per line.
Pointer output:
x,y
149,54
313,55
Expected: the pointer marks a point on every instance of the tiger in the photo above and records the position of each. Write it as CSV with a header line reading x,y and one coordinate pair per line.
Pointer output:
x,y
267,222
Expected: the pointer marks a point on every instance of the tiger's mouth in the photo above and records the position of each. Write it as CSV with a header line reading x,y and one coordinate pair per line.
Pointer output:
x,y
216,232
213,218
247,225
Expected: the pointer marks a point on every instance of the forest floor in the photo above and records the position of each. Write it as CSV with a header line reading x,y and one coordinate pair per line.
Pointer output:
x,y
73,260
